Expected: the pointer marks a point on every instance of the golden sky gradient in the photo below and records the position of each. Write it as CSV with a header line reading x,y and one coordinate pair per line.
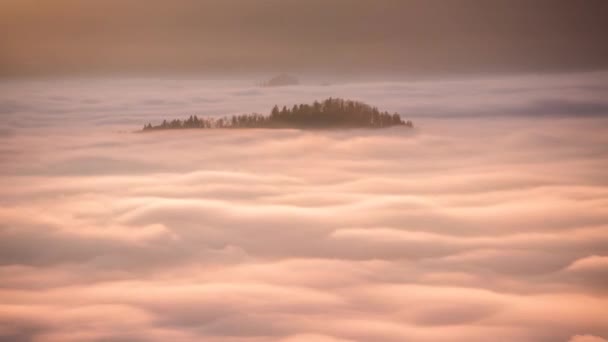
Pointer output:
x,y
339,36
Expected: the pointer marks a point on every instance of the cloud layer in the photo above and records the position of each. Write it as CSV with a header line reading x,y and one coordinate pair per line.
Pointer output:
x,y
468,228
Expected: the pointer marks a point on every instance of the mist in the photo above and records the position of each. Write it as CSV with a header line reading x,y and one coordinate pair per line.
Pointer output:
x,y
486,221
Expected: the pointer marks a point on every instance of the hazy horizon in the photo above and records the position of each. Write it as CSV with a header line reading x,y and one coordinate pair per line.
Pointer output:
x,y
336,37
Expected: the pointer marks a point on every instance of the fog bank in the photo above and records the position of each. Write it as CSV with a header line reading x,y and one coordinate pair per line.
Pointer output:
x,y
488,221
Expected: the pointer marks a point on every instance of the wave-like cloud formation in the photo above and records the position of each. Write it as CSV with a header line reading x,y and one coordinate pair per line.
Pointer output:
x,y
464,229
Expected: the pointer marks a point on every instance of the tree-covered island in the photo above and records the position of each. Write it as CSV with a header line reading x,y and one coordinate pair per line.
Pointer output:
x,y
331,113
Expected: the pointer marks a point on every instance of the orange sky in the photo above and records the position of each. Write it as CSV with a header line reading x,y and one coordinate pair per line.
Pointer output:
x,y
67,36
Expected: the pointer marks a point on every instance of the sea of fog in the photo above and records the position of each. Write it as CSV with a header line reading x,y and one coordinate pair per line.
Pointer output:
x,y
487,222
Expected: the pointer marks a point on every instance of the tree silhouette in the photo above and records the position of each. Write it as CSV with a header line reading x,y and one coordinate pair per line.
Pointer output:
x,y
331,113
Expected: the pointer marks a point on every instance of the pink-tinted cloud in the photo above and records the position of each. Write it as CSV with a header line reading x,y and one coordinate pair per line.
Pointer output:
x,y
461,229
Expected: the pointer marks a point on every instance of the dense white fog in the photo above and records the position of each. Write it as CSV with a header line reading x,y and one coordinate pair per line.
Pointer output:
x,y
488,221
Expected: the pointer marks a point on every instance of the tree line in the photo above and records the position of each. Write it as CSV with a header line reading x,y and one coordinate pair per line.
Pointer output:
x,y
331,113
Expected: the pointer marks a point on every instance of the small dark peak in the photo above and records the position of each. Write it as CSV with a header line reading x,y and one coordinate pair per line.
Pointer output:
x,y
281,81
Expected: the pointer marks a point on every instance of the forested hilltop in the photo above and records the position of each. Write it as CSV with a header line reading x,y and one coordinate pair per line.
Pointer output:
x,y
331,113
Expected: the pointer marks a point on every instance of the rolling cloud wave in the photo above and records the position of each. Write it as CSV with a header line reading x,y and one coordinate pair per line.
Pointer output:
x,y
467,228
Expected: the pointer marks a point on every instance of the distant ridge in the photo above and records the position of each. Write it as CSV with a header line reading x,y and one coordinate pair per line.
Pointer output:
x,y
331,113
280,81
